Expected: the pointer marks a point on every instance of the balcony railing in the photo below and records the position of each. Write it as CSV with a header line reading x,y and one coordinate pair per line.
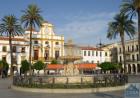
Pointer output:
x,y
130,60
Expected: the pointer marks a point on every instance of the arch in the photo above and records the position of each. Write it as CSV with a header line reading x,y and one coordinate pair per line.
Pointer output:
x,y
138,68
129,68
134,68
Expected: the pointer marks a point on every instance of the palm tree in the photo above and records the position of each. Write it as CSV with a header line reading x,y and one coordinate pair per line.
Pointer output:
x,y
10,26
31,19
132,8
121,26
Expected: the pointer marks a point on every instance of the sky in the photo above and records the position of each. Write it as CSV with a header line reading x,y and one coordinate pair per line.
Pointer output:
x,y
83,21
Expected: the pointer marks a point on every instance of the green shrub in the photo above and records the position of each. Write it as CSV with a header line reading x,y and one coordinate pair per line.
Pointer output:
x,y
24,66
1,64
54,61
4,64
109,66
39,65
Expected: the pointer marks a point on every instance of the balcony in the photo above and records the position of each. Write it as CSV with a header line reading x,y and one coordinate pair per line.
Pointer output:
x,y
132,61
128,52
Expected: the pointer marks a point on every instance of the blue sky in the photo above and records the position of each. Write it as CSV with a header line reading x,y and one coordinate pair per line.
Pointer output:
x,y
84,21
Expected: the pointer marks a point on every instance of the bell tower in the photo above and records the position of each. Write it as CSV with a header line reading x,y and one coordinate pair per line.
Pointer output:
x,y
47,28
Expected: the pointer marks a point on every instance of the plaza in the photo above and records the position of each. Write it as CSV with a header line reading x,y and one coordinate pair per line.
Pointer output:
x,y
70,49
7,92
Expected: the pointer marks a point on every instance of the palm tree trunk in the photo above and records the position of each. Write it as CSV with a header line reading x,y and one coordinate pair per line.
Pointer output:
x,y
138,11
11,54
124,55
30,51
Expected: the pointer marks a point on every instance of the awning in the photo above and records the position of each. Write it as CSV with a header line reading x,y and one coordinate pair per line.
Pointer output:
x,y
55,66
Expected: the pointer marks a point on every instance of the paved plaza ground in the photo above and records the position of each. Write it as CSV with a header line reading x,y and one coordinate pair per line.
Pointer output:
x,y
6,92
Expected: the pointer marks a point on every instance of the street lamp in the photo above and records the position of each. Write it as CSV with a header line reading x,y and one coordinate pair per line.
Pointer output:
x,y
100,45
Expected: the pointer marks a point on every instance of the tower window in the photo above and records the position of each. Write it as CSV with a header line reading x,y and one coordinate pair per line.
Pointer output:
x,y
56,43
46,42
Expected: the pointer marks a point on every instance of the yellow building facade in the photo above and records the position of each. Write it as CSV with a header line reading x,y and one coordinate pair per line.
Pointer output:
x,y
46,44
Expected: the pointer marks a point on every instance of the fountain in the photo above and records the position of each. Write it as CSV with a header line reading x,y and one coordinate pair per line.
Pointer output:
x,y
70,57
70,73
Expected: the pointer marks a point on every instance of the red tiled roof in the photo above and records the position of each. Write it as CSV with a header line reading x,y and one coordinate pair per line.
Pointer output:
x,y
54,66
86,66
79,66
13,39
89,48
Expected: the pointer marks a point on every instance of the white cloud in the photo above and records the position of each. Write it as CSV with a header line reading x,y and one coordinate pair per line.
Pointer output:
x,y
87,28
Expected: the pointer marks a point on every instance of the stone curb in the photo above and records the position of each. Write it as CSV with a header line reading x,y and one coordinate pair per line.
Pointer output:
x,y
86,90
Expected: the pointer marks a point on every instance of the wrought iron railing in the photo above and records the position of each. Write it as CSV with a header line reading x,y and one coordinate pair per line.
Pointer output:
x,y
101,80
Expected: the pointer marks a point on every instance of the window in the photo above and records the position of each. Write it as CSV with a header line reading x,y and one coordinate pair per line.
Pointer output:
x,y
128,49
36,54
105,53
23,49
46,54
137,57
85,53
120,50
46,42
96,53
100,53
88,53
133,57
56,43
14,48
137,47
132,48
92,53
120,59
56,54
35,42
4,58
4,48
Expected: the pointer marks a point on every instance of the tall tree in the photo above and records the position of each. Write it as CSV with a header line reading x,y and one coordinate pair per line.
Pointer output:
x,y
132,8
121,25
31,19
10,26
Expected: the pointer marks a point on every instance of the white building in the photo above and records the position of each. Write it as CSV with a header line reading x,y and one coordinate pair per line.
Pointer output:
x,y
46,46
132,61
20,50
95,55
112,49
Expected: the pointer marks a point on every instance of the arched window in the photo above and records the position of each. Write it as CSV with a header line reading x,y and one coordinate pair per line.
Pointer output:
x,y
56,43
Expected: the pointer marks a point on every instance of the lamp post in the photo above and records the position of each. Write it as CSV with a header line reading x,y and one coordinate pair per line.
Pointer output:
x,y
99,45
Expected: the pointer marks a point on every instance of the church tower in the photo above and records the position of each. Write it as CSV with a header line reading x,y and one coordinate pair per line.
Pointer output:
x,y
47,29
